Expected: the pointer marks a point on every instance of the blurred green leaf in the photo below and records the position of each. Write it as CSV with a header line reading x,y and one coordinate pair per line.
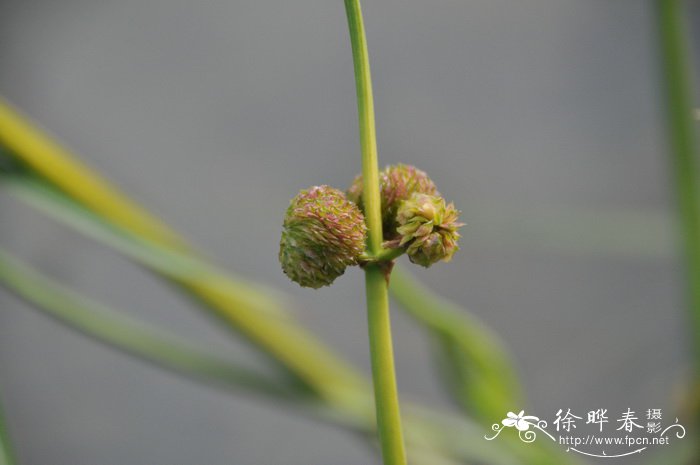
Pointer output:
x,y
6,454
683,151
683,452
473,363
135,337
49,177
166,351
114,329
287,343
465,437
172,263
251,305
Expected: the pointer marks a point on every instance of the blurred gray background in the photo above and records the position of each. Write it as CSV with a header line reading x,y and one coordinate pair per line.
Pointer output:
x,y
540,119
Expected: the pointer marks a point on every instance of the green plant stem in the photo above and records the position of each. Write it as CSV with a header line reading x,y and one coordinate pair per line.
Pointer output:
x,y
386,255
368,134
6,454
376,274
674,60
383,371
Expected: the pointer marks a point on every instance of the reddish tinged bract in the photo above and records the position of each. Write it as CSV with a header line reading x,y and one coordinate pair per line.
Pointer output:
x,y
323,234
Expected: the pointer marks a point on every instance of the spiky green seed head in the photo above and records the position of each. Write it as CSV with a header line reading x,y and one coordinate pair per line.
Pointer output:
x,y
323,233
428,229
396,184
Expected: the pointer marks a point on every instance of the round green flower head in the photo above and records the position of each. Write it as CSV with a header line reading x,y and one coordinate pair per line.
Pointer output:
x,y
323,234
397,183
428,229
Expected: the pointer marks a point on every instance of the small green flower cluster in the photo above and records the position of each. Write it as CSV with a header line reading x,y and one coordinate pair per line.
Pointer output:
x,y
428,229
396,184
323,233
324,230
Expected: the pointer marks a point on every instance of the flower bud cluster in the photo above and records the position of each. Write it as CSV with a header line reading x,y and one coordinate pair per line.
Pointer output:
x,y
323,234
324,230
415,216
396,184
428,229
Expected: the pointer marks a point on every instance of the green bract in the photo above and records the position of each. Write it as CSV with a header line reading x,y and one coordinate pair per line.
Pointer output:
x,y
428,229
397,183
323,234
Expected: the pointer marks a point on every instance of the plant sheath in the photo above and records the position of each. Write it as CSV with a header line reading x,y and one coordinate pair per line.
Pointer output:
x,y
376,274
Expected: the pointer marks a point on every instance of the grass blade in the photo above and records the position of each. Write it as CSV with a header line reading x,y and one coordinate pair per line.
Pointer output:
x,y
165,351
475,365
131,336
424,438
683,149
6,453
473,362
51,161
345,392
165,261
288,343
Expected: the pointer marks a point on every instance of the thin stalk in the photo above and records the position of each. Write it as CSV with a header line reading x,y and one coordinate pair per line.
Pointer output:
x,y
376,274
6,454
383,372
386,255
684,149
368,132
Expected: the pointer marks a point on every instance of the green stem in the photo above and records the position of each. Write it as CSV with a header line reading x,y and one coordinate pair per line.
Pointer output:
x,y
376,274
683,150
6,454
383,371
386,255
368,134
